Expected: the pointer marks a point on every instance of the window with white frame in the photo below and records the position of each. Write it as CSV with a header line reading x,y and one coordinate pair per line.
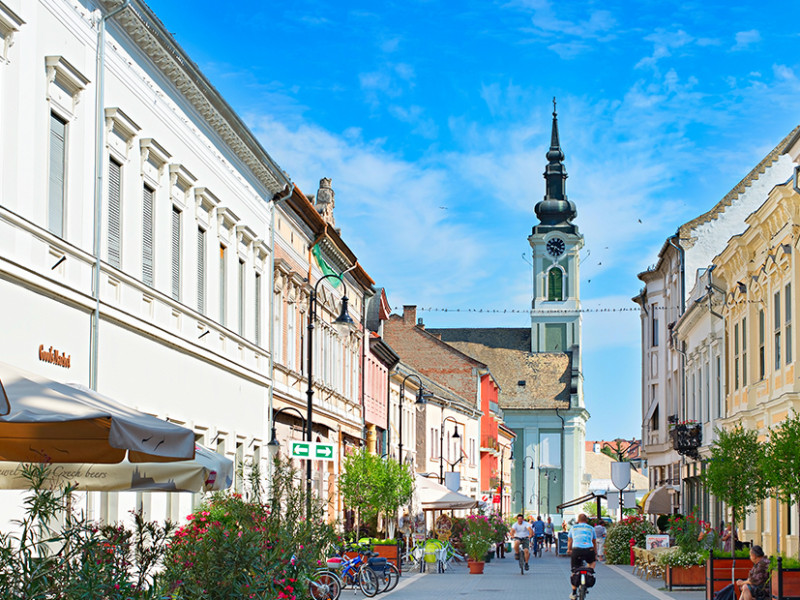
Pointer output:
x,y
718,385
277,300
201,270
257,308
57,190
176,253
777,315
736,356
291,336
223,283
241,289
707,392
114,217
744,351
762,358
148,261
788,326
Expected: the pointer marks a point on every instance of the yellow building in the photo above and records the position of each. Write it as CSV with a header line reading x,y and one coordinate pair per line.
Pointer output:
x,y
761,276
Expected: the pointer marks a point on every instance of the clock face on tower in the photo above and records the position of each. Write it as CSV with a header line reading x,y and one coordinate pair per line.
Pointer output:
x,y
555,247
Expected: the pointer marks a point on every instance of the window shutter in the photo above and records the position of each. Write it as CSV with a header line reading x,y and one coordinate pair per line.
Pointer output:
x,y
176,253
241,297
55,206
258,309
114,211
222,285
555,284
201,270
147,236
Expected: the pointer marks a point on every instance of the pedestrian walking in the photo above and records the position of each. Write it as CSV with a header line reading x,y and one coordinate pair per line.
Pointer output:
x,y
548,534
600,531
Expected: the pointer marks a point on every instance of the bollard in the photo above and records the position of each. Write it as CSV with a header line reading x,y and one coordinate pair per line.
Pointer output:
x,y
780,577
633,544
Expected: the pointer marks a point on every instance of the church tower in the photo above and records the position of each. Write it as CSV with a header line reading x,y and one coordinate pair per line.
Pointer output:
x,y
555,244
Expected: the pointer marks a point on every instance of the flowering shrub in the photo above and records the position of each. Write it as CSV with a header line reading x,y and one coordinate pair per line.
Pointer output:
x,y
678,557
500,528
232,549
478,536
617,547
691,533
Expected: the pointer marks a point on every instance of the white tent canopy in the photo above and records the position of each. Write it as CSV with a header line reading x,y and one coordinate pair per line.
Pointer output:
x,y
658,502
208,471
435,496
42,420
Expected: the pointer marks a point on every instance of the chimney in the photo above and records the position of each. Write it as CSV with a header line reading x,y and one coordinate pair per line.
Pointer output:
x,y
420,324
409,315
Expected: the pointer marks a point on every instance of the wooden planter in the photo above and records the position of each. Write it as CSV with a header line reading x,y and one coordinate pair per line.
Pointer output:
x,y
390,553
718,576
791,584
685,576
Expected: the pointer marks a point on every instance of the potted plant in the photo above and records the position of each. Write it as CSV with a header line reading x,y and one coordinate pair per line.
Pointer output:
x,y
477,539
682,568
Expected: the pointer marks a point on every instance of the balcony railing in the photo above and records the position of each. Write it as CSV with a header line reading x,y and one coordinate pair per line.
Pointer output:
x,y
687,439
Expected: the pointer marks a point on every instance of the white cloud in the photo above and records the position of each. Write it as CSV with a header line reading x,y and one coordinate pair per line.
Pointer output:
x,y
745,39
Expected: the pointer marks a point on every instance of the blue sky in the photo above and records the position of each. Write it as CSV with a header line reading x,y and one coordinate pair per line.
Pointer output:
x,y
433,119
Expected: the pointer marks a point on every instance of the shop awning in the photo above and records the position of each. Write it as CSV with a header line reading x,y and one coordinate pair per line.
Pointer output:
x,y
658,501
206,472
434,496
42,420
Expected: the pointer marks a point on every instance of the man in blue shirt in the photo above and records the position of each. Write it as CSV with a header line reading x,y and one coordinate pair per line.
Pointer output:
x,y
538,534
582,545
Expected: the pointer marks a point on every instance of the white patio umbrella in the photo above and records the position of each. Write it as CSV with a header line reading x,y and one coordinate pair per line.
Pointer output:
x,y
42,420
434,496
207,471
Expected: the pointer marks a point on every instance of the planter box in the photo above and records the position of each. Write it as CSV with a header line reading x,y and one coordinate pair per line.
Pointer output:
x,y
390,553
720,576
791,584
685,576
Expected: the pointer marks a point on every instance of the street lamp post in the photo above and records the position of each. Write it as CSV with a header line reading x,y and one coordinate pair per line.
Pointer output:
x,y
441,442
274,445
523,479
343,319
421,395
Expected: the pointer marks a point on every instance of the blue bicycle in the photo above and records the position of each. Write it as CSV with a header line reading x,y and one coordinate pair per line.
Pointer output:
x,y
357,572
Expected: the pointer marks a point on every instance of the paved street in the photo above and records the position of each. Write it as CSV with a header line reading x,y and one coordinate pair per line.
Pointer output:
x,y
548,578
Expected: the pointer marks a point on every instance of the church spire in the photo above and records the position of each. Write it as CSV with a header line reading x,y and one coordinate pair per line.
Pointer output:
x,y
555,209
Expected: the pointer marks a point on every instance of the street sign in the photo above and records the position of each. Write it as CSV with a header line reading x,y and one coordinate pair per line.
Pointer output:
x,y
301,449
323,451
313,451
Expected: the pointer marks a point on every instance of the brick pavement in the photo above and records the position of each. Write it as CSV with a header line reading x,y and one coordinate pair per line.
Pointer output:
x,y
548,578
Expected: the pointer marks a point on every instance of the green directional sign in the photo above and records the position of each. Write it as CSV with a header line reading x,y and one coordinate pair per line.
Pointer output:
x,y
323,451
313,451
302,449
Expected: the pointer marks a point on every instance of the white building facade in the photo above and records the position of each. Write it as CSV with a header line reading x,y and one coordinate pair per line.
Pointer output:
x,y
667,369
169,312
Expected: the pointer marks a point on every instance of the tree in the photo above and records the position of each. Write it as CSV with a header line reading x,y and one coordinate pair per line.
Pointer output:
x,y
373,486
736,471
782,464
619,449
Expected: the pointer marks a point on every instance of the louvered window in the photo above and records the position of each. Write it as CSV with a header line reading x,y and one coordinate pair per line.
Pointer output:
x,y
223,282
57,187
147,236
176,253
257,318
114,212
201,270
241,297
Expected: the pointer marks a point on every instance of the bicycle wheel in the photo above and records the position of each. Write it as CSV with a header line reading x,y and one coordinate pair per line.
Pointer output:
x,y
581,592
368,581
388,578
521,560
324,586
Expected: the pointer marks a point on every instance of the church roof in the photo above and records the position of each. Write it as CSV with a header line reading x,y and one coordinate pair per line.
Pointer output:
x,y
526,380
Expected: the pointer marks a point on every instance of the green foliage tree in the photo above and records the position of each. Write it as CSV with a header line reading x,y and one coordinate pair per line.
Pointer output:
x,y
782,464
590,508
736,472
374,486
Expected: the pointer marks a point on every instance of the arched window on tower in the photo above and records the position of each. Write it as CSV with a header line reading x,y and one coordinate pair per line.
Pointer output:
x,y
555,284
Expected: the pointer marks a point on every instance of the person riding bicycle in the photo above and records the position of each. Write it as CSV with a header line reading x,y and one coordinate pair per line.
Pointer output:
x,y
521,530
582,545
538,534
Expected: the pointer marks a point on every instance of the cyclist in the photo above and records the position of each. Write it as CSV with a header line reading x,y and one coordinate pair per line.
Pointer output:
x,y
582,545
548,534
538,534
521,531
